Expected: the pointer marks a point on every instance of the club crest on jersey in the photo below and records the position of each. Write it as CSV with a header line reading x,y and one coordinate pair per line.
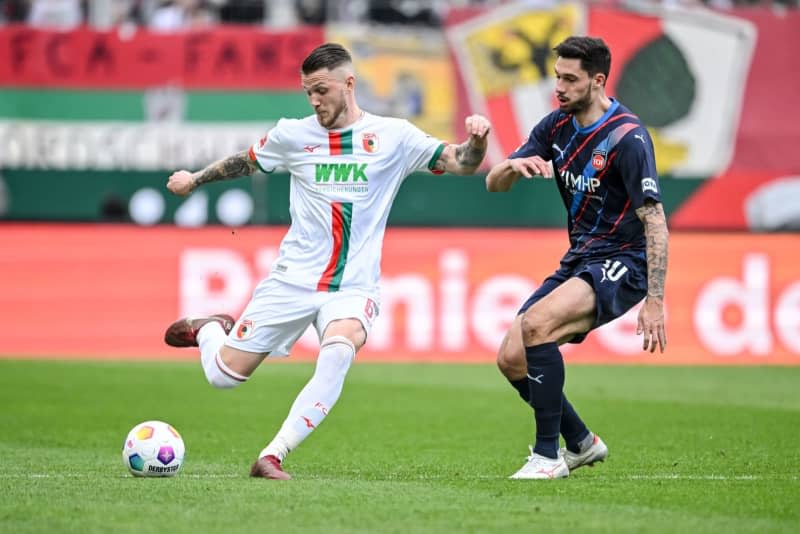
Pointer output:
x,y
370,142
245,329
598,160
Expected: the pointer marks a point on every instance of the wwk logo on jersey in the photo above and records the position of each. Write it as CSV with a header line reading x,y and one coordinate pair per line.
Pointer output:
x,y
341,172
598,160
341,178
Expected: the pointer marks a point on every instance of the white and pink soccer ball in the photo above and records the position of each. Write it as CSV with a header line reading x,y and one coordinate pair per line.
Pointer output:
x,y
153,449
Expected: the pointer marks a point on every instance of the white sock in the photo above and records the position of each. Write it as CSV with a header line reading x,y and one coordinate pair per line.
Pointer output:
x,y
211,337
317,397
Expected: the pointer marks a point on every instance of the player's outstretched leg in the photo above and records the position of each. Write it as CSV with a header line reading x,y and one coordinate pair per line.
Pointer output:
x,y
592,450
209,333
310,408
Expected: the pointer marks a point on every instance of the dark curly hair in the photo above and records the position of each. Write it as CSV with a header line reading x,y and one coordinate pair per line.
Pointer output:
x,y
592,51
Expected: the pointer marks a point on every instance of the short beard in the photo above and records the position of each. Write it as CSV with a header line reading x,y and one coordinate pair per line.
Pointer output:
x,y
342,112
582,104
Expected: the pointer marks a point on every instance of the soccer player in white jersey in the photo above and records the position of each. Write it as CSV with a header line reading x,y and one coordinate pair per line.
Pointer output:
x,y
346,167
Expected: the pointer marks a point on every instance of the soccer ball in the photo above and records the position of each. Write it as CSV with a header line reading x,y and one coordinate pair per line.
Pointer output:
x,y
153,449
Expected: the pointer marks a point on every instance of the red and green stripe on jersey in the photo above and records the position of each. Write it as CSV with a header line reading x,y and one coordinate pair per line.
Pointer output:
x,y
340,143
341,217
436,155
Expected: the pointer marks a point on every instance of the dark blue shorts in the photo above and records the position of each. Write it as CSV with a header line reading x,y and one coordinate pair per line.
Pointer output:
x,y
619,284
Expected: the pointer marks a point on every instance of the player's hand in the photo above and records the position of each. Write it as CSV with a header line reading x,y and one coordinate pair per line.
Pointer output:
x,y
532,166
477,126
651,324
181,183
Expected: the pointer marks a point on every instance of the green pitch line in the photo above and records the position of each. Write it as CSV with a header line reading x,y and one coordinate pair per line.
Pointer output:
x,y
408,448
74,105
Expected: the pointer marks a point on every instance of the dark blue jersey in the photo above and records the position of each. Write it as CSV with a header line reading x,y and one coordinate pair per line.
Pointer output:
x,y
604,172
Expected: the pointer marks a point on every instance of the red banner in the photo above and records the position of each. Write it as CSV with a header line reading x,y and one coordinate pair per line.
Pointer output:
x,y
761,189
235,57
447,295
768,133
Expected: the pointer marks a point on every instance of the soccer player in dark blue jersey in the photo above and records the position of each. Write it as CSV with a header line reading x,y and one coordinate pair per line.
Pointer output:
x,y
601,157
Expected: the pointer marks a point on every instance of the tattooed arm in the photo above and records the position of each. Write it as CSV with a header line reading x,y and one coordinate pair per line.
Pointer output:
x,y
184,182
651,316
466,157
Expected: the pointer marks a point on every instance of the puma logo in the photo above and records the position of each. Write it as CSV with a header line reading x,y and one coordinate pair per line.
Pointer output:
x,y
536,379
310,148
640,137
560,152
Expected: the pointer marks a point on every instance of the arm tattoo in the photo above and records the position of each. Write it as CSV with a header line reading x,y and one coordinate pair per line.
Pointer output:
x,y
655,228
470,154
231,167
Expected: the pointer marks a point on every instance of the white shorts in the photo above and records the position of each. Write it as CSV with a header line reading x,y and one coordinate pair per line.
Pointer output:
x,y
279,313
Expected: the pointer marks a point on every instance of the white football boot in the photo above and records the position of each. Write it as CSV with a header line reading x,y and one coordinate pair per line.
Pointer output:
x,y
540,467
596,452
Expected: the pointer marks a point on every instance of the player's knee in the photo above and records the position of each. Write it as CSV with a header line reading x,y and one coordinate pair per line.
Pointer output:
x,y
511,365
221,376
335,356
338,351
222,382
534,327
511,354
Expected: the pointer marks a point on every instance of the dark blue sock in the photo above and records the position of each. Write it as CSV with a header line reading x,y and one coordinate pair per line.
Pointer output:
x,y
546,381
572,427
522,388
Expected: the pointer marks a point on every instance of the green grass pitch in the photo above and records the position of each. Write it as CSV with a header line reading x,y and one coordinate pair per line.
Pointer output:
x,y
408,448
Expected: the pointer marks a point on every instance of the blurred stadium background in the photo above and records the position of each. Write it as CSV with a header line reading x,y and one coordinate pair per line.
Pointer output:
x,y
100,100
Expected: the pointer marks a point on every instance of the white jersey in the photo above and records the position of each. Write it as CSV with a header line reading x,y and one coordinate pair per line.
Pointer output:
x,y
343,183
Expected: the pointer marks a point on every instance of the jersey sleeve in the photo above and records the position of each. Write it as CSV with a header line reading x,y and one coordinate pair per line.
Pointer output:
x,y
637,166
422,150
539,142
269,151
